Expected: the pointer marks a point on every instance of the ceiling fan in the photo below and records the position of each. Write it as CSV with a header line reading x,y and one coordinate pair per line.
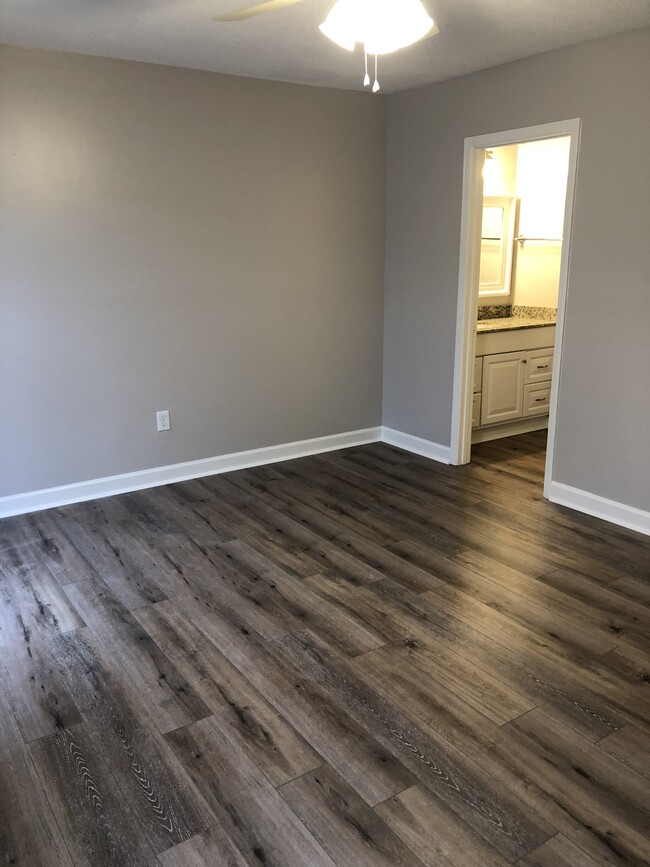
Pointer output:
x,y
258,9
381,26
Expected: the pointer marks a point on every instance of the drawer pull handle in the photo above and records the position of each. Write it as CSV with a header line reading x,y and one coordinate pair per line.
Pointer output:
x,y
540,400
542,366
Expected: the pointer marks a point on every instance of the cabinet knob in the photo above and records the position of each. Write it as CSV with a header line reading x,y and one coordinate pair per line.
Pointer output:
x,y
524,361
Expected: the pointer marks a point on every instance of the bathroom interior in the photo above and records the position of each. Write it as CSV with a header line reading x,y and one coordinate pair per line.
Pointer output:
x,y
524,197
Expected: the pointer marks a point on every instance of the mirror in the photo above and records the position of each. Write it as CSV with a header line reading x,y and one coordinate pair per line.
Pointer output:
x,y
497,238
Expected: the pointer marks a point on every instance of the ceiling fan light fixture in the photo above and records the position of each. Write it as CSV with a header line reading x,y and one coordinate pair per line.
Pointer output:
x,y
339,26
382,26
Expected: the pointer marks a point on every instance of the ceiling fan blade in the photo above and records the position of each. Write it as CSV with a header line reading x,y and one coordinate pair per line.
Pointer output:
x,y
259,9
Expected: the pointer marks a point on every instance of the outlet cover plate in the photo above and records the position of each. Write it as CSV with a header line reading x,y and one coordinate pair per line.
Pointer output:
x,y
163,420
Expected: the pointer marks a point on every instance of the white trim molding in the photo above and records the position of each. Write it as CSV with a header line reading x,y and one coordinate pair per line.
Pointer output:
x,y
417,445
94,489
468,273
508,429
600,507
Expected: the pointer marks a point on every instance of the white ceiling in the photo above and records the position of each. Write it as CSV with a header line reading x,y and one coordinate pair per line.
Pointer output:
x,y
286,45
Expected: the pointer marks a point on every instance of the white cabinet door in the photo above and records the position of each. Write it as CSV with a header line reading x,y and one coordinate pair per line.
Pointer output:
x,y
537,399
539,365
478,374
503,387
476,410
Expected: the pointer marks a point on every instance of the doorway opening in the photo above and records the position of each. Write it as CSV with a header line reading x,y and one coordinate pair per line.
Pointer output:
x,y
518,191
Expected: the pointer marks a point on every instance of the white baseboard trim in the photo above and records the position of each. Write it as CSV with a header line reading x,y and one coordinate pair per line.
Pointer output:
x,y
509,429
417,445
34,501
599,507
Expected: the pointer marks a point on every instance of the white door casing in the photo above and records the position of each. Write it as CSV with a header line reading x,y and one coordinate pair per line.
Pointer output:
x,y
469,263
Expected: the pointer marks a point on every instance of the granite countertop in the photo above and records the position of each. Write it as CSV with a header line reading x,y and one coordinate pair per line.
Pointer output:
x,y
511,323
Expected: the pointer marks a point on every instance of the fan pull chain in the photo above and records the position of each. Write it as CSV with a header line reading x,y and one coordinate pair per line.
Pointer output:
x,y
375,87
366,78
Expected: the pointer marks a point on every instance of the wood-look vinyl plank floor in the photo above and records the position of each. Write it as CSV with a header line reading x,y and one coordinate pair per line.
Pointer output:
x,y
361,659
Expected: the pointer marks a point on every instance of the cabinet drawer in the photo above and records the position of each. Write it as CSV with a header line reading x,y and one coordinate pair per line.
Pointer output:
x,y
539,365
476,410
478,374
537,399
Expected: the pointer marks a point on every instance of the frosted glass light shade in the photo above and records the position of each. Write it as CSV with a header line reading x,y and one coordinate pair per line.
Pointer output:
x,y
382,26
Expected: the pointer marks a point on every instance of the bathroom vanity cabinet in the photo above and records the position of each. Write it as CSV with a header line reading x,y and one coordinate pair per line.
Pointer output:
x,y
512,382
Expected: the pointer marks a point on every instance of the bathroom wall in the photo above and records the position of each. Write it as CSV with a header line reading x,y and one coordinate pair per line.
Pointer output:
x,y
536,173
542,169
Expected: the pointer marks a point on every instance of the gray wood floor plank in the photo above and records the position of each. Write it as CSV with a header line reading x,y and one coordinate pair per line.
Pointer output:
x,y
131,585
291,554
369,768
617,614
170,698
362,657
89,806
502,613
148,554
217,583
213,848
596,789
425,671
359,551
558,852
436,763
53,549
377,522
254,815
592,670
35,690
275,747
296,603
29,834
632,588
361,559
434,832
509,759
631,747
168,509
405,617
527,601
166,809
32,603
348,830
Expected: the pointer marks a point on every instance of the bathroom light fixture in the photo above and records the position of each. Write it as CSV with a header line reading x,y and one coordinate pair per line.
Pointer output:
x,y
491,169
381,26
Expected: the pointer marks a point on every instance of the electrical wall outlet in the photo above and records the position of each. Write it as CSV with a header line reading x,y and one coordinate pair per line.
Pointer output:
x,y
163,420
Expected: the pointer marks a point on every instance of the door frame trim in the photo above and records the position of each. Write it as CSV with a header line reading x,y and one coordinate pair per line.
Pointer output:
x,y
469,263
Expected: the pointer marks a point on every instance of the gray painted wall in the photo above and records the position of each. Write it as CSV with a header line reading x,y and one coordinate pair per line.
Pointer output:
x,y
604,403
172,239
